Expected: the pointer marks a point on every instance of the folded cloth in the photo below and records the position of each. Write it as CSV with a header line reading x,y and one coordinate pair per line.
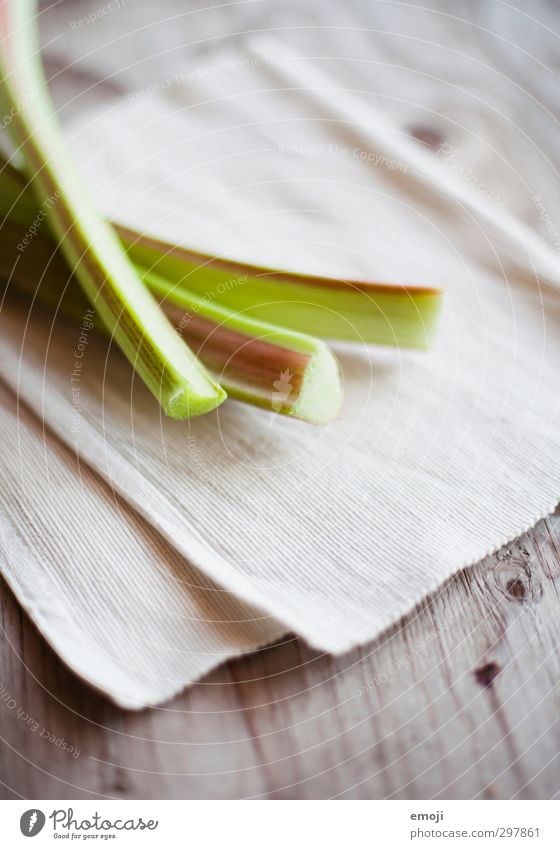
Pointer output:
x,y
436,459
118,604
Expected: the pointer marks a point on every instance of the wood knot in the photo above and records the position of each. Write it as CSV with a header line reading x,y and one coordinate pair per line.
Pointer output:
x,y
516,588
486,674
427,136
515,580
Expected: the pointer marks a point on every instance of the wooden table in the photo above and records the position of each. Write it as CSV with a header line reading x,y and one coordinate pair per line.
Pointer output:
x,y
460,700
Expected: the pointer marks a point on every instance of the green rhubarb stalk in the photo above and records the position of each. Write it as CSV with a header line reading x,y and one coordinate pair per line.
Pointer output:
x,y
349,310
143,332
272,367
280,370
345,310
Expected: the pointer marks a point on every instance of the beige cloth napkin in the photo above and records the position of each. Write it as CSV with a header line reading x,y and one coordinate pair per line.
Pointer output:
x,y
119,605
435,460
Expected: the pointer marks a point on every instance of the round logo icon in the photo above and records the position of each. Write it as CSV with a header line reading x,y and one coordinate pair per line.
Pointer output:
x,y
31,822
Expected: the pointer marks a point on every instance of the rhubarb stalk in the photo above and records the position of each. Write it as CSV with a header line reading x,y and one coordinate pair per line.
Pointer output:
x,y
348,310
160,356
271,367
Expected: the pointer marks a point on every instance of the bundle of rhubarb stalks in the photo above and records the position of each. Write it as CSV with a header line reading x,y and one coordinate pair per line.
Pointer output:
x,y
196,328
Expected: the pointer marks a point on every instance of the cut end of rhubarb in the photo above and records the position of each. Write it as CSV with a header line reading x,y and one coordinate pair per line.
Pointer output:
x,y
419,331
321,390
184,404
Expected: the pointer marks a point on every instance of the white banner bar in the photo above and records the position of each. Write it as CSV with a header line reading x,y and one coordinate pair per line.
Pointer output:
x,y
281,824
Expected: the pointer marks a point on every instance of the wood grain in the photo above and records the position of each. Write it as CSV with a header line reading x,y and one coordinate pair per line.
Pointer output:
x,y
460,700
